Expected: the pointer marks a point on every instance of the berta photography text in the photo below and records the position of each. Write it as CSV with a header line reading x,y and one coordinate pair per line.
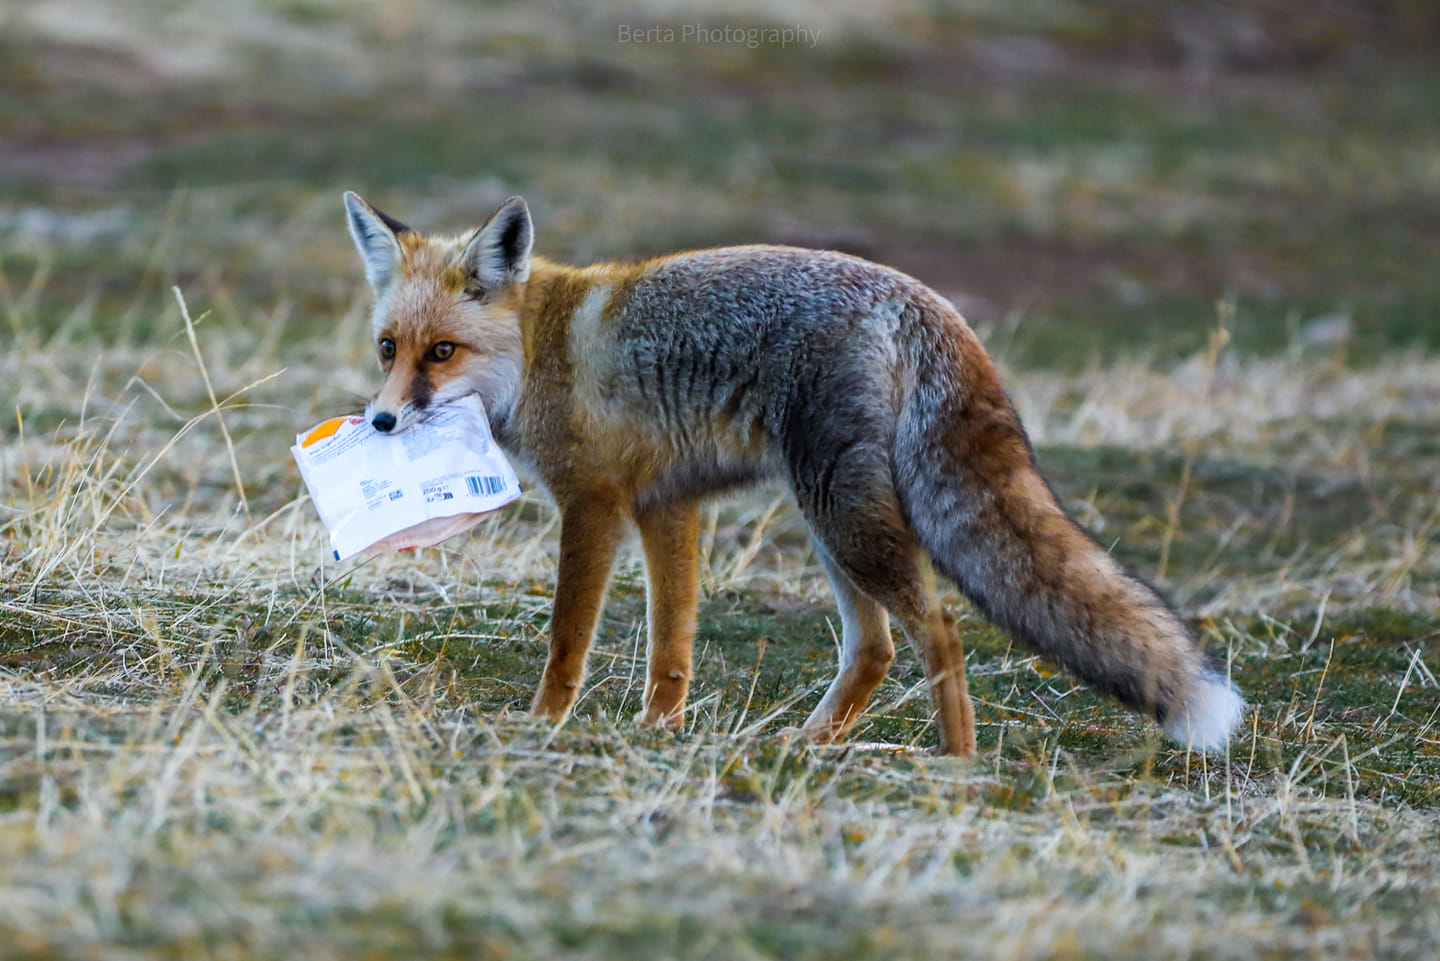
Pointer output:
x,y
700,34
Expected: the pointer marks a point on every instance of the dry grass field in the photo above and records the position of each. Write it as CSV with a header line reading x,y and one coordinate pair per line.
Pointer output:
x,y
1200,241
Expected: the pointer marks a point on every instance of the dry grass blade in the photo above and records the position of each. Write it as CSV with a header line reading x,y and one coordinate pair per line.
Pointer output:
x,y
214,403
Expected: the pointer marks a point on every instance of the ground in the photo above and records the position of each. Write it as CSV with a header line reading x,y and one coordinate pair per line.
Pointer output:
x,y
1198,240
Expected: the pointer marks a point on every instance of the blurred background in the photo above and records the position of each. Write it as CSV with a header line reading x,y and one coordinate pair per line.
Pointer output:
x,y
1084,178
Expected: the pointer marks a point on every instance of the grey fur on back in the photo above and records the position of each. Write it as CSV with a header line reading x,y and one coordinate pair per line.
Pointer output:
x,y
751,342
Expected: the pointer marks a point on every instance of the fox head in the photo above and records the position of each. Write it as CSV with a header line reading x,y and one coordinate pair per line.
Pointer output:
x,y
446,316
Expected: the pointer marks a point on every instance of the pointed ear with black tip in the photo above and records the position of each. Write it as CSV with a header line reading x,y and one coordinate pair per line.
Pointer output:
x,y
376,237
499,254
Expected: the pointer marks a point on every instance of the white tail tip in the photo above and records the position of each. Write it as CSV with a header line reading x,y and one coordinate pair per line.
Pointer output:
x,y
1209,714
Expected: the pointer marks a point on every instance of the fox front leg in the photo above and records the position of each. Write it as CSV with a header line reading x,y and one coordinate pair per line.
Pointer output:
x,y
590,531
670,536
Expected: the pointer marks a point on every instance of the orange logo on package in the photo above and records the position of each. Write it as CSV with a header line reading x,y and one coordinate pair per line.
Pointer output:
x,y
323,431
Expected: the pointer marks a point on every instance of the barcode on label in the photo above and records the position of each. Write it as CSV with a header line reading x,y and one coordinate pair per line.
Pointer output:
x,y
484,484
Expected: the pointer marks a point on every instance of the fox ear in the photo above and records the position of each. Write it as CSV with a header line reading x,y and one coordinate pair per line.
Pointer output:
x,y
376,238
499,254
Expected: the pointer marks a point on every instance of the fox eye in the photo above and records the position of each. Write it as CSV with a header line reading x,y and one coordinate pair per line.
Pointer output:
x,y
387,348
442,350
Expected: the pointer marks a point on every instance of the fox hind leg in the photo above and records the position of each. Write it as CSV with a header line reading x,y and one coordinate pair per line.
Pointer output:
x,y
866,651
855,515
939,641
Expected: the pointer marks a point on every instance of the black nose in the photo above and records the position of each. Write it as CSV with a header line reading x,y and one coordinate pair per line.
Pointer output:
x,y
384,422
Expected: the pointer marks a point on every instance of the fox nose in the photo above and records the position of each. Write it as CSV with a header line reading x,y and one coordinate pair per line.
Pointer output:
x,y
384,422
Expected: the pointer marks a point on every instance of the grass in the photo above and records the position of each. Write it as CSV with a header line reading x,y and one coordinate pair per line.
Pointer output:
x,y
215,742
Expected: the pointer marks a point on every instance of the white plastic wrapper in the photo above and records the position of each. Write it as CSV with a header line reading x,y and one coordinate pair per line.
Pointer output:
x,y
378,492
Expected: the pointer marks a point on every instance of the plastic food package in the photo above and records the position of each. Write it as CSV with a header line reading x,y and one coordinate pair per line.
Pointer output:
x,y
393,492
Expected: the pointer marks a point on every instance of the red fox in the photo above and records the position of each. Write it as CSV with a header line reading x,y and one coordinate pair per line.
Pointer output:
x,y
636,390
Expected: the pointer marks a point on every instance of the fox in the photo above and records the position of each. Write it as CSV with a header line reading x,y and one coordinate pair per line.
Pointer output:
x,y
634,391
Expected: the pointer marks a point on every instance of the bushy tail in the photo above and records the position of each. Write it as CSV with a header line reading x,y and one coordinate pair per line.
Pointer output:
x,y
967,478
